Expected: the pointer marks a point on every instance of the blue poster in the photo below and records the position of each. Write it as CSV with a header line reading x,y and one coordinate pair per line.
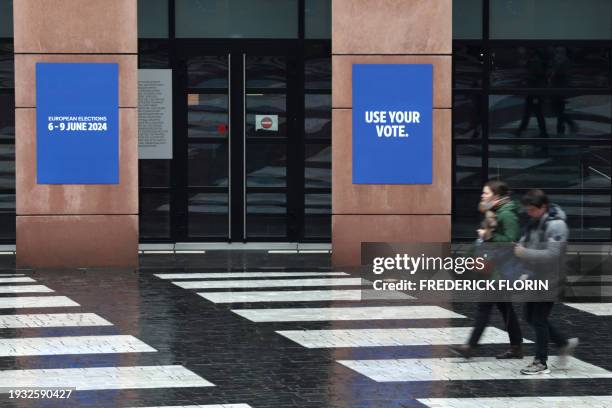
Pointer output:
x,y
77,123
392,123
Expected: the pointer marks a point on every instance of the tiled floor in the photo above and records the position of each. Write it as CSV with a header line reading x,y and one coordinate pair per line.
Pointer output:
x,y
266,283
23,321
25,289
458,369
208,406
47,346
593,291
589,279
260,331
23,302
522,402
106,374
11,279
390,337
347,313
598,309
292,296
103,378
234,275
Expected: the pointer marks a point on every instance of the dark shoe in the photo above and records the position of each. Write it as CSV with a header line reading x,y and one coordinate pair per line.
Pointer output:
x,y
515,352
535,368
464,350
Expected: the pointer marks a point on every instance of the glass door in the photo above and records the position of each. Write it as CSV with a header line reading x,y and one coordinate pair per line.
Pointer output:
x,y
267,132
240,149
208,147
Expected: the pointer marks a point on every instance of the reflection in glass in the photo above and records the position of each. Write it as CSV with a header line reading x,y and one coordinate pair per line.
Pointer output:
x,y
236,19
551,67
154,215
551,19
7,216
317,73
588,216
266,72
208,215
317,115
469,61
467,116
207,72
7,116
207,116
318,165
207,164
7,166
466,217
468,165
551,166
7,203
269,104
266,165
587,116
7,71
153,54
266,214
154,173
317,216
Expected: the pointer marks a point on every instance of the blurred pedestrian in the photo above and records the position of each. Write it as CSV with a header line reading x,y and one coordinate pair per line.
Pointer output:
x,y
542,249
500,225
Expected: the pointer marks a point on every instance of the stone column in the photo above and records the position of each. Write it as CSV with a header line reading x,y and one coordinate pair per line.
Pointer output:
x,y
76,225
389,32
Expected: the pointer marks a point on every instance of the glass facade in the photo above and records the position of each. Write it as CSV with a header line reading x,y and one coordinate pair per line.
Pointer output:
x,y
532,105
550,19
234,62
6,18
236,19
7,124
318,19
153,19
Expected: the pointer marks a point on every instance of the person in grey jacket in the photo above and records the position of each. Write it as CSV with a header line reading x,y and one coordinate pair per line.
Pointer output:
x,y
542,249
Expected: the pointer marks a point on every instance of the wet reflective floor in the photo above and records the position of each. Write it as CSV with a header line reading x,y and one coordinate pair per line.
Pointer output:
x,y
252,329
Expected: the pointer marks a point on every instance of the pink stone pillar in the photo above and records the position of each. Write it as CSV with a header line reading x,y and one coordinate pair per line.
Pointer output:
x,y
76,225
389,32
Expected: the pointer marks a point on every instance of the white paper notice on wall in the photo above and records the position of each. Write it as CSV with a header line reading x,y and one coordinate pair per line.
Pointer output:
x,y
266,122
155,114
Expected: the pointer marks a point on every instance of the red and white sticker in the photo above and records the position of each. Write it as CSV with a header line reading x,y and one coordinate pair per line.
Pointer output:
x,y
266,122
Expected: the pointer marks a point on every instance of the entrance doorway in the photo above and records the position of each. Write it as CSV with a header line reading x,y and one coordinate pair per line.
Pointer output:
x,y
251,143
242,147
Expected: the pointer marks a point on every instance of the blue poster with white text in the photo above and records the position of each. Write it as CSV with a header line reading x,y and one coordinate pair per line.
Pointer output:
x,y
392,123
77,123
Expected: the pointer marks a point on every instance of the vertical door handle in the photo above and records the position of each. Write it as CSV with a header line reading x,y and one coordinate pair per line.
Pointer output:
x,y
229,146
244,147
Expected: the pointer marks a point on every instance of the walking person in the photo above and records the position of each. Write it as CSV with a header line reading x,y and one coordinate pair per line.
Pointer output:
x,y
535,66
542,248
500,225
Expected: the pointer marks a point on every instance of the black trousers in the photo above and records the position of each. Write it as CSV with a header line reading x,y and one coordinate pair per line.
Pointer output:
x,y
483,314
536,314
533,105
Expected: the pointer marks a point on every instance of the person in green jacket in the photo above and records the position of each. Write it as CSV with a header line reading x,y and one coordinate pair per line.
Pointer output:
x,y
500,224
